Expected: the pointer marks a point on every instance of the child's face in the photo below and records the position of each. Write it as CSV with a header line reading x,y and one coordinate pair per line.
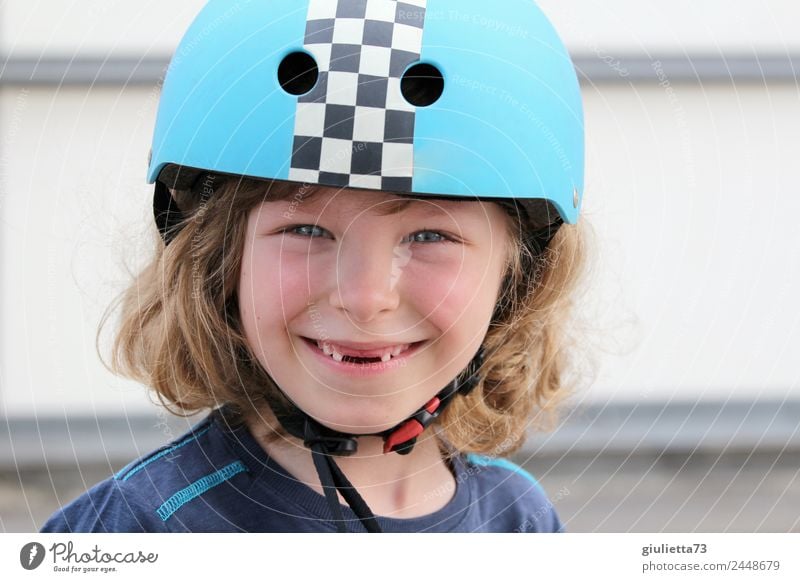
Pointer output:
x,y
334,268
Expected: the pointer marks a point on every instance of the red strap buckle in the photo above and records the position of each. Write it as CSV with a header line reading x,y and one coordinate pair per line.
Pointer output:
x,y
410,429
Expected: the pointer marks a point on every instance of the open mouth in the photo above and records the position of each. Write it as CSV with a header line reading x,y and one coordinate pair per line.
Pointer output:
x,y
388,356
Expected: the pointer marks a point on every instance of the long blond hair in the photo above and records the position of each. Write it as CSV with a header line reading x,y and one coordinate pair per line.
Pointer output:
x,y
180,334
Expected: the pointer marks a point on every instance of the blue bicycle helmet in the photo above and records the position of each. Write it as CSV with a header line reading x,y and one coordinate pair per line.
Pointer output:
x,y
439,98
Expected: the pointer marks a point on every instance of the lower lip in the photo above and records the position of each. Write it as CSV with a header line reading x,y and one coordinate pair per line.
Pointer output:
x,y
368,369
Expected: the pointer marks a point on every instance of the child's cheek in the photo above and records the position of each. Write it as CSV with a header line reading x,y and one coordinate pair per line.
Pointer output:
x,y
441,291
273,286
286,282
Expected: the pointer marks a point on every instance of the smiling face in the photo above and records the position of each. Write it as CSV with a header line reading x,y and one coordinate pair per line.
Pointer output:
x,y
350,269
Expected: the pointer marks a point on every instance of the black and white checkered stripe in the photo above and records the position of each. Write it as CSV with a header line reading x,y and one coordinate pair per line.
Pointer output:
x,y
355,128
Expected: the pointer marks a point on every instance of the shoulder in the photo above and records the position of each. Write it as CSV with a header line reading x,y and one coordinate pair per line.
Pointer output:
x,y
510,496
109,506
147,492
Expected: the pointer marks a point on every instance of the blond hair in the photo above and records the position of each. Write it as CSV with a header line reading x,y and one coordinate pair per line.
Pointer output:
x,y
180,332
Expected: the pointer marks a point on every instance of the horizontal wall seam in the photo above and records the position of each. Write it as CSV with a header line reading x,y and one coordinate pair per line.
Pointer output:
x,y
642,428
592,69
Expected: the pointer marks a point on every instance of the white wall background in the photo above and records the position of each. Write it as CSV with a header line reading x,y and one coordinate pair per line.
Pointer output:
x,y
692,190
92,26
95,26
73,165
677,26
695,198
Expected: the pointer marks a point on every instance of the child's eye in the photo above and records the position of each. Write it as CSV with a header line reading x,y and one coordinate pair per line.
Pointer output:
x,y
422,236
437,237
306,229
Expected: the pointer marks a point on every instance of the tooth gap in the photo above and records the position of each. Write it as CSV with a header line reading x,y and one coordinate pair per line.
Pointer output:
x,y
357,360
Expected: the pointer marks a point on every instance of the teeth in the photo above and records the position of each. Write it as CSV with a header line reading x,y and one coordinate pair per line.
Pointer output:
x,y
330,350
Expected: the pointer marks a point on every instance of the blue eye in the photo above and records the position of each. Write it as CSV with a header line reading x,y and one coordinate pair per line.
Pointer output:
x,y
422,236
305,229
441,237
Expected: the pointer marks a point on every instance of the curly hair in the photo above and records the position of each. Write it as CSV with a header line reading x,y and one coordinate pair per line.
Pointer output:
x,y
180,332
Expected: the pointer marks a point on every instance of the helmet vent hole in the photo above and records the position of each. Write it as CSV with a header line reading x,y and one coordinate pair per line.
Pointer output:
x,y
422,85
298,73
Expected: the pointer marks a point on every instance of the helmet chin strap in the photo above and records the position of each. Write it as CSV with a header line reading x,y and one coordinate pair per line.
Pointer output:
x,y
326,443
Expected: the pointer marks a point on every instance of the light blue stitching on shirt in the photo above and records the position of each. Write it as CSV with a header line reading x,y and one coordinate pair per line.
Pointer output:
x,y
197,488
141,466
504,463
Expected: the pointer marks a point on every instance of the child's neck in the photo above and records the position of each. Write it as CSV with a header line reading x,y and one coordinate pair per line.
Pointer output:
x,y
392,485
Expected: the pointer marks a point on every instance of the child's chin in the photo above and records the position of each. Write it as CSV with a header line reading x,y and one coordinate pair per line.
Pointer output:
x,y
364,420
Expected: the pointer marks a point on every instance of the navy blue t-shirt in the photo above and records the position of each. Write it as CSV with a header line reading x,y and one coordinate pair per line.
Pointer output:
x,y
217,478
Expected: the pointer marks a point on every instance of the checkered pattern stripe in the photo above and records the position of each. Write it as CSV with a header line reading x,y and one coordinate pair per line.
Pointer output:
x,y
355,129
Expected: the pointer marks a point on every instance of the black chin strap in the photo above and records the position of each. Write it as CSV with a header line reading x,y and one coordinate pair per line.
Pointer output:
x,y
333,480
326,443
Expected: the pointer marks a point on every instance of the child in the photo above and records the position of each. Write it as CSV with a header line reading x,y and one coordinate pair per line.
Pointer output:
x,y
369,218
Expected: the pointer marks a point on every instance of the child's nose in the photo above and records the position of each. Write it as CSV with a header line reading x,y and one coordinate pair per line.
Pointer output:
x,y
367,281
